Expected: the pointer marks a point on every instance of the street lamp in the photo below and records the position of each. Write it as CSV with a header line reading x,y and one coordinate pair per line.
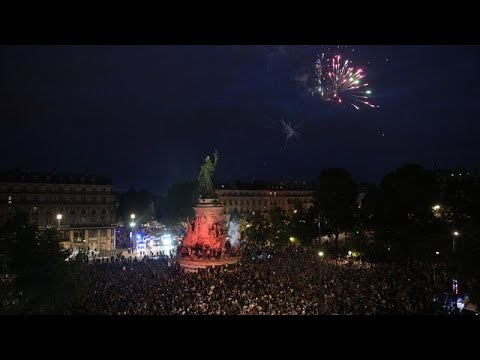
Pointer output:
x,y
132,225
455,234
59,218
292,239
320,253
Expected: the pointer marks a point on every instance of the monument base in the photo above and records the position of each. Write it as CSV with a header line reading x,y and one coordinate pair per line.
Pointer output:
x,y
191,265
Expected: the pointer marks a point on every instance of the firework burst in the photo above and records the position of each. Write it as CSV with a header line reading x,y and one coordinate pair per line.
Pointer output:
x,y
340,82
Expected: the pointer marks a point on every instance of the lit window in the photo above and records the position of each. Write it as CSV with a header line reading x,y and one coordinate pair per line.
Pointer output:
x,y
10,199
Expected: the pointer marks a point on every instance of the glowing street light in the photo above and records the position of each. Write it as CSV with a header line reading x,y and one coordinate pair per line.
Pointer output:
x,y
436,207
59,218
455,234
292,239
320,253
295,211
437,252
349,253
132,225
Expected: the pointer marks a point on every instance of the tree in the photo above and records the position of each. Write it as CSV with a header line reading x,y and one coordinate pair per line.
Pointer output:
x,y
279,230
302,224
404,211
48,284
362,235
140,203
335,199
178,204
466,259
258,230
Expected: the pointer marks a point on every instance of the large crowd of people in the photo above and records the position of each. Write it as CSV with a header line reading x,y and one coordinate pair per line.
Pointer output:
x,y
294,282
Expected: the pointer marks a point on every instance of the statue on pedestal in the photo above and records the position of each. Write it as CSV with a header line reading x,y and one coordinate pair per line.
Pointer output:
x,y
205,181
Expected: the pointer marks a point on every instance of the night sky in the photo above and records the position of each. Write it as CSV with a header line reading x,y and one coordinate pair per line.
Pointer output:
x,y
148,115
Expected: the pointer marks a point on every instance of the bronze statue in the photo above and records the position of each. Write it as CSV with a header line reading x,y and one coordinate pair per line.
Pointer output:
x,y
205,177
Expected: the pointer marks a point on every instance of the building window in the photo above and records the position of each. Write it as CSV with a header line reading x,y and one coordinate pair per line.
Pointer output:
x,y
79,236
10,199
103,233
35,209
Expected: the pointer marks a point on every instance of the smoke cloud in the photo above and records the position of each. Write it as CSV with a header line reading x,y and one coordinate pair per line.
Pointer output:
x,y
234,232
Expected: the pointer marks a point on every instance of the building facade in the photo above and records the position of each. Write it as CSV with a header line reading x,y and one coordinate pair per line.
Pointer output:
x,y
81,207
260,196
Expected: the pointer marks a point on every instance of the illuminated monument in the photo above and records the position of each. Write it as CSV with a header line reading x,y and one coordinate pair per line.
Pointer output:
x,y
204,244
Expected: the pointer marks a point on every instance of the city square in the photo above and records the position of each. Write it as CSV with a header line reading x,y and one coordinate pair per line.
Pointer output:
x,y
255,180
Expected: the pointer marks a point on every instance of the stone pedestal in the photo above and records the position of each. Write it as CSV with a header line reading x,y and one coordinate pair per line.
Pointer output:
x,y
207,228
207,231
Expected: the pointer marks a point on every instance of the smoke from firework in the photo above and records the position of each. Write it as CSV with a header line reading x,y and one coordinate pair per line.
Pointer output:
x,y
234,231
288,130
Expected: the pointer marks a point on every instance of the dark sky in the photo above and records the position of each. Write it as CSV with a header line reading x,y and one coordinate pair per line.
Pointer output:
x,y
148,115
